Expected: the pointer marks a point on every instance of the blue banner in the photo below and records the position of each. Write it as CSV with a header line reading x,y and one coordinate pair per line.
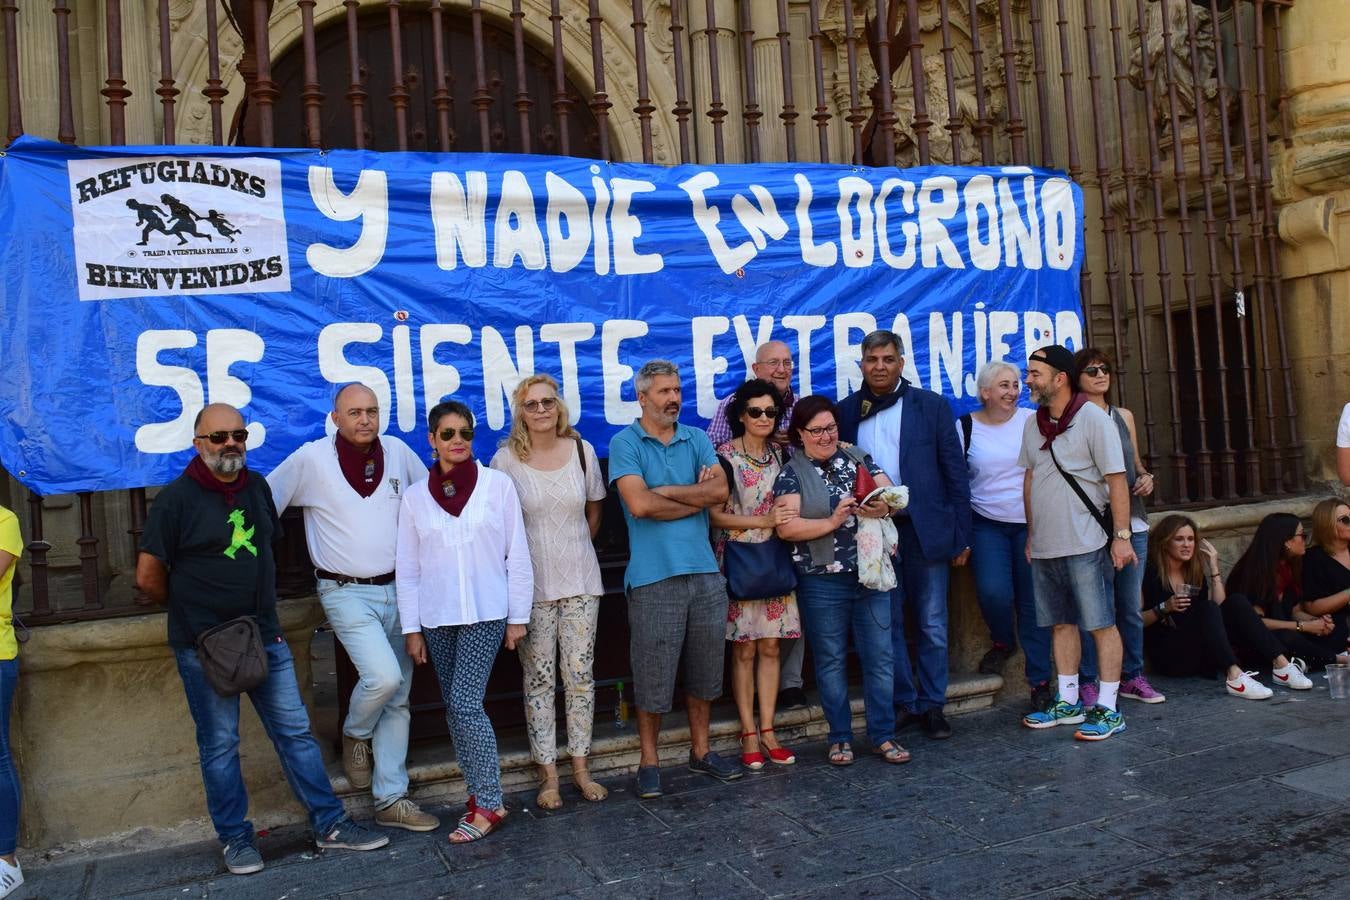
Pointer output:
x,y
142,282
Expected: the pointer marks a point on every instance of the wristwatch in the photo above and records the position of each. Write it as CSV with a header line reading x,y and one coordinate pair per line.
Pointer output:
x,y
1122,534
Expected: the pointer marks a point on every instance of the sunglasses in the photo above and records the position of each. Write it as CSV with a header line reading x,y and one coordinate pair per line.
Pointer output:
x,y
768,412
240,436
1344,520
546,404
1094,371
822,430
448,434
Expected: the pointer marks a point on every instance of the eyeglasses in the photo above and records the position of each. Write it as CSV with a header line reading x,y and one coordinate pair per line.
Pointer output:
x,y
777,364
768,412
1344,520
822,430
1094,371
240,436
448,434
544,403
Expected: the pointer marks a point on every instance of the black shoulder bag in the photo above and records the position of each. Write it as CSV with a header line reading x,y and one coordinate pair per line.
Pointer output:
x,y
232,655
758,571
1103,516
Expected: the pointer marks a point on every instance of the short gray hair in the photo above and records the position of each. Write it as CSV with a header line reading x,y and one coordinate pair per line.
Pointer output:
x,y
990,371
882,338
651,371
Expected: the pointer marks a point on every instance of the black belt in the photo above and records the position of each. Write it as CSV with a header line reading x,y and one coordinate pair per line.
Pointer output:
x,y
386,578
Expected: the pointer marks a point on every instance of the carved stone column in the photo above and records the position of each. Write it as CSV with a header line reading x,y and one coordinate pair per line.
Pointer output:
x,y
728,80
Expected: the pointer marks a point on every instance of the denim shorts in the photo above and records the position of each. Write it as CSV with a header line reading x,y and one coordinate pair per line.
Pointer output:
x,y
1075,590
682,616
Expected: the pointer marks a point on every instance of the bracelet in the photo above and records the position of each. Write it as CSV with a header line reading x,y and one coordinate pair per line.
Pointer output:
x,y
1161,610
1298,626
1215,575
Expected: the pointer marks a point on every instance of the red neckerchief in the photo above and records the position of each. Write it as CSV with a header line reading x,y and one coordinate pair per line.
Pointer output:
x,y
199,472
1051,430
453,491
363,469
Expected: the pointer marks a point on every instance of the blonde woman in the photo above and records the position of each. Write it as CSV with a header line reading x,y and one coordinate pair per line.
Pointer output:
x,y
561,490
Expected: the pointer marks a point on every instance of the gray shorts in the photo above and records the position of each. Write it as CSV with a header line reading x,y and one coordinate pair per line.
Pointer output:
x,y
685,615
1075,590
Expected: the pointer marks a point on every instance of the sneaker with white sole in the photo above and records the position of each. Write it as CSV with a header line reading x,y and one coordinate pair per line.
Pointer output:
x,y
349,835
10,878
1292,677
1247,687
1138,688
241,858
403,813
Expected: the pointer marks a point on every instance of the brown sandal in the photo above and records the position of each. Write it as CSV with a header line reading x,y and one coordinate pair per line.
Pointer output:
x,y
590,789
841,754
549,797
892,753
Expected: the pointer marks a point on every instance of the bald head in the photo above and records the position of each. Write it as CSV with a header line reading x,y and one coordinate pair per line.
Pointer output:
x,y
356,413
226,456
773,363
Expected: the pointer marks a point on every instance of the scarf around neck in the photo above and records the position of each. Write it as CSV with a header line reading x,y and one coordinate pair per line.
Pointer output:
x,y
363,469
1051,429
199,472
872,404
451,492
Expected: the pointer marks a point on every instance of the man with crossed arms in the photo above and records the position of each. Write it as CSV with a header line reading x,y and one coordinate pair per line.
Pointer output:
x,y
351,486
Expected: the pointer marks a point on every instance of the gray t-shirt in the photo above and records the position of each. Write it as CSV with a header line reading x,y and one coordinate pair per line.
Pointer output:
x,y
1089,450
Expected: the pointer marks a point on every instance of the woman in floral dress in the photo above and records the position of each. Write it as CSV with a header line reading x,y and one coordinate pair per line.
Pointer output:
x,y
752,460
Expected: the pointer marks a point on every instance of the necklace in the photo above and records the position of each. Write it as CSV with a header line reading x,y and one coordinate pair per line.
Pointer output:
x,y
763,461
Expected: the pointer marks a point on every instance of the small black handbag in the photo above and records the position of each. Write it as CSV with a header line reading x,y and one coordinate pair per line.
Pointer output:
x,y
758,571
232,656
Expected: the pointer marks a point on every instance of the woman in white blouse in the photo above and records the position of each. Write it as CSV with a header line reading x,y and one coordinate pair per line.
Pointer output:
x,y
561,492
464,586
991,437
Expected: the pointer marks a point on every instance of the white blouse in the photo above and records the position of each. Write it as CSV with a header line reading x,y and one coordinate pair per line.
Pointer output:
x,y
554,504
460,570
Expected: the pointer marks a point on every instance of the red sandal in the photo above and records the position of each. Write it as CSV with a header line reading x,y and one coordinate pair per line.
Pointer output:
x,y
754,761
466,832
780,755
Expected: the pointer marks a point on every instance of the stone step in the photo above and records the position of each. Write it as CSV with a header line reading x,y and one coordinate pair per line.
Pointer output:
x,y
436,778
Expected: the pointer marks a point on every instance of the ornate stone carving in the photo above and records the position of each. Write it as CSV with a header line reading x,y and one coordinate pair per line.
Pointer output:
x,y
1156,47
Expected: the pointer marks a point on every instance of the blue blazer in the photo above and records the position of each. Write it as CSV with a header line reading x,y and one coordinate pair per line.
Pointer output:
x,y
931,465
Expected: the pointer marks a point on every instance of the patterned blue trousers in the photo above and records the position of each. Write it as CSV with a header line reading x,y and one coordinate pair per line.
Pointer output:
x,y
463,657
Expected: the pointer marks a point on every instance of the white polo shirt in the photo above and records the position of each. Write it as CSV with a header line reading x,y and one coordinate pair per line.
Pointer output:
x,y
346,533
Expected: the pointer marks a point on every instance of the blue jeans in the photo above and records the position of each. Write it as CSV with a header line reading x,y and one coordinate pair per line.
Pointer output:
x,y
1003,584
365,618
921,585
829,604
283,714
9,776
1129,617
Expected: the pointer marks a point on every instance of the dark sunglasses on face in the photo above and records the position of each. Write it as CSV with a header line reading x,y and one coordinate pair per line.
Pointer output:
x,y
240,436
448,434
1344,520
1094,371
768,412
546,404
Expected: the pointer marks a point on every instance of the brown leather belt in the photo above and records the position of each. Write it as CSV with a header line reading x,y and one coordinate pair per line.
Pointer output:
x,y
386,578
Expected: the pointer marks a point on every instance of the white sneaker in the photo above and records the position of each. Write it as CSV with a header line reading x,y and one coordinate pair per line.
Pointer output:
x,y
1248,688
1292,677
10,878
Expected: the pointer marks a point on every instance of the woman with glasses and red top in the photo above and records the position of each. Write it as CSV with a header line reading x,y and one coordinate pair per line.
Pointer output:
x,y
1270,574
752,461
1326,568
465,586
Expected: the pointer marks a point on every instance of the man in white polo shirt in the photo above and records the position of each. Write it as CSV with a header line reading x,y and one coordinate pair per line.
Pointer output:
x,y
351,486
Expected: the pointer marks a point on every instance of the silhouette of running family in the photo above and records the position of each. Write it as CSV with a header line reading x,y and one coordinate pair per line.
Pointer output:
x,y
181,220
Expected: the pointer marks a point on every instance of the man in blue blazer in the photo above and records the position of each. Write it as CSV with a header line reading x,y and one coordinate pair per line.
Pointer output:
x,y
911,434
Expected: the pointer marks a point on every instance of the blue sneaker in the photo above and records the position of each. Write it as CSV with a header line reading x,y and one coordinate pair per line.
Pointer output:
x,y
648,782
1060,713
1101,724
242,858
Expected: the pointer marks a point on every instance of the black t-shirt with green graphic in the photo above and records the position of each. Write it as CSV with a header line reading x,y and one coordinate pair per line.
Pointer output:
x,y
219,559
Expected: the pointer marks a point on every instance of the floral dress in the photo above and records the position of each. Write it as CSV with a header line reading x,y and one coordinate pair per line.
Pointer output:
x,y
751,480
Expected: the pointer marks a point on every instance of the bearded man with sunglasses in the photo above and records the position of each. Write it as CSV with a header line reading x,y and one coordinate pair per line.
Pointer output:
x,y
207,552
351,486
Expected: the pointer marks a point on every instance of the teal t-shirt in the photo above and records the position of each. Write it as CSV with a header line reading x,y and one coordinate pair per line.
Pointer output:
x,y
659,550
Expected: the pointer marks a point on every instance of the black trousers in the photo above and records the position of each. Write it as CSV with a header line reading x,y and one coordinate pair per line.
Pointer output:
x,y
1200,640
1317,652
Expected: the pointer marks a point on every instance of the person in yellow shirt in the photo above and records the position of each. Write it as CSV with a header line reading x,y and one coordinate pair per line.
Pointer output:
x,y
11,548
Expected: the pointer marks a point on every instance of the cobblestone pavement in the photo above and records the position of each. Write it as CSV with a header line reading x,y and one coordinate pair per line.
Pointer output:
x,y
1202,796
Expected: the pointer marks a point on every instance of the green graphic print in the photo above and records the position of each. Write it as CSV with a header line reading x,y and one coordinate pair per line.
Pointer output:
x,y
240,537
